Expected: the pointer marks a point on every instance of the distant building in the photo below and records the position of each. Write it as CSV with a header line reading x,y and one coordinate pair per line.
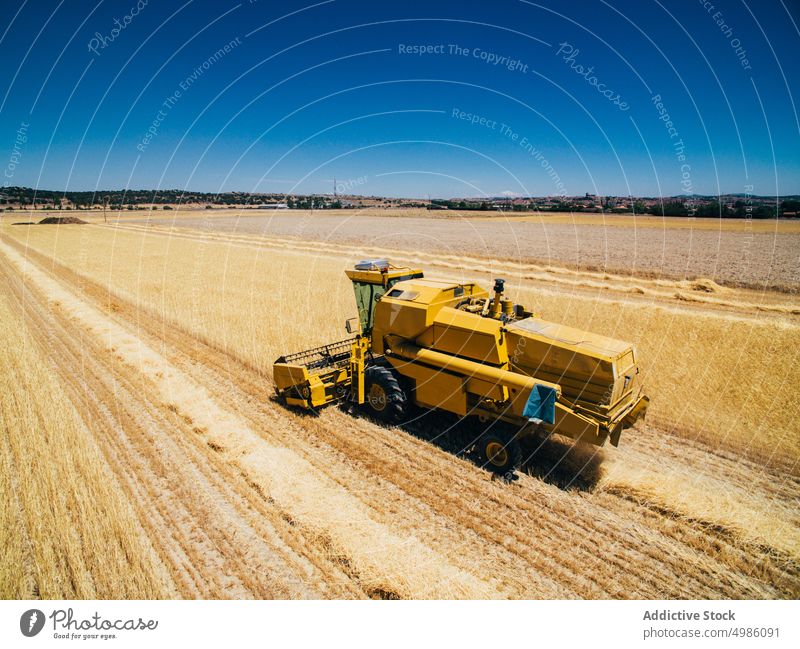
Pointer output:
x,y
273,206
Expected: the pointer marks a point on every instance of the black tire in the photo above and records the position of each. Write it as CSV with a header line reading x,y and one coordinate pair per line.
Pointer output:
x,y
499,452
384,398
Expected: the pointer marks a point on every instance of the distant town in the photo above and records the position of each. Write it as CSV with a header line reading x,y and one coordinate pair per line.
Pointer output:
x,y
723,206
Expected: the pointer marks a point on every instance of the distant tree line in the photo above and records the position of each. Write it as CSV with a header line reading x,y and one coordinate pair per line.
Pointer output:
x,y
713,209
136,199
757,207
121,199
481,206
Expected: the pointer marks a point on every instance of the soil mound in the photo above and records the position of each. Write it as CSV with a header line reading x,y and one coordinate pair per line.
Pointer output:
x,y
61,220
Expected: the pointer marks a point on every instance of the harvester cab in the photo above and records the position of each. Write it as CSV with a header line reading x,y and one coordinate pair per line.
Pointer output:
x,y
371,279
453,347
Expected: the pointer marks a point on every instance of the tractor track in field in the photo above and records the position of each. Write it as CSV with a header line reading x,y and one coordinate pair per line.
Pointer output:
x,y
205,521
529,539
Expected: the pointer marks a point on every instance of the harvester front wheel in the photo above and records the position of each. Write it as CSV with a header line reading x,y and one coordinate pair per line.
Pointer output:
x,y
384,398
499,452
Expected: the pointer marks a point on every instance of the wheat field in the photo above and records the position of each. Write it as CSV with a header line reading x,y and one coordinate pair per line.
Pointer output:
x,y
153,345
753,254
67,530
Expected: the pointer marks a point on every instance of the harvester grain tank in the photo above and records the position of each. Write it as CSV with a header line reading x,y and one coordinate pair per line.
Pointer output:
x,y
457,348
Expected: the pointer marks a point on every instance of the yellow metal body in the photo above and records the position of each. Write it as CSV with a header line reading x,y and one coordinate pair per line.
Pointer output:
x,y
357,358
460,350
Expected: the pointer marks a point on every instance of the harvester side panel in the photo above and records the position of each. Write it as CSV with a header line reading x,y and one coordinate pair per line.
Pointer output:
x,y
433,387
467,335
588,367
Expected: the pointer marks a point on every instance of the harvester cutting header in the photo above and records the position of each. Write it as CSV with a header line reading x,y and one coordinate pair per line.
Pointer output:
x,y
454,347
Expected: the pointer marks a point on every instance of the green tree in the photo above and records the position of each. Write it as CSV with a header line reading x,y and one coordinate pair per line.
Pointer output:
x,y
670,208
790,206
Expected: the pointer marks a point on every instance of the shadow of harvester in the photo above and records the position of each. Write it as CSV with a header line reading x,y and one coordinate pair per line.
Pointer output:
x,y
555,459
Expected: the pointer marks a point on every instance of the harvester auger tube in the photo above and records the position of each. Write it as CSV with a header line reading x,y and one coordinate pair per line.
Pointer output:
x,y
456,348
517,383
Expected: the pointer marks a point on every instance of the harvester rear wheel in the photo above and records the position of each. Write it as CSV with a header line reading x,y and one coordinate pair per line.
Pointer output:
x,y
499,452
384,397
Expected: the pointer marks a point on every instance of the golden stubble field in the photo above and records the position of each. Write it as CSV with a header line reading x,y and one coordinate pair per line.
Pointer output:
x,y
156,341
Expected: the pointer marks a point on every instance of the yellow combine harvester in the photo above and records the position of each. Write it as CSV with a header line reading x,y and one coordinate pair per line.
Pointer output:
x,y
453,347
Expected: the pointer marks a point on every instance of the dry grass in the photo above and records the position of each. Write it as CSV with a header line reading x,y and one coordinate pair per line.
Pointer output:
x,y
65,529
569,218
720,376
383,561
653,222
754,516
756,253
710,368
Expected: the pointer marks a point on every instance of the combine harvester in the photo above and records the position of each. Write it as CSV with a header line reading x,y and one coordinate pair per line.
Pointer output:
x,y
452,347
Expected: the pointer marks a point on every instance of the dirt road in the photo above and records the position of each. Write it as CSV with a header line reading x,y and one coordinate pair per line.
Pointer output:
x,y
244,498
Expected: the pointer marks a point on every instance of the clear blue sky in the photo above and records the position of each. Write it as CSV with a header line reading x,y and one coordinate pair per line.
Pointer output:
x,y
563,95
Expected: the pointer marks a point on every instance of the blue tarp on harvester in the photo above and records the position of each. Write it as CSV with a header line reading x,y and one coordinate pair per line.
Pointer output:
x,y
541,404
